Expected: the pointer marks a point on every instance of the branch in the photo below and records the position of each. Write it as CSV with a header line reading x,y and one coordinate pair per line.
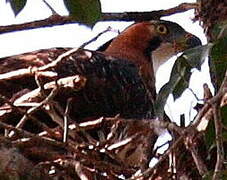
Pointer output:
x,y
201,166
56,20
219,142
53,20
147,16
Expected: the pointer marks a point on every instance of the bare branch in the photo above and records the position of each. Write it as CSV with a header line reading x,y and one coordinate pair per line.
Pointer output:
x,y
219,142
50,7
198,161
36,108
147,16
56,20
66,117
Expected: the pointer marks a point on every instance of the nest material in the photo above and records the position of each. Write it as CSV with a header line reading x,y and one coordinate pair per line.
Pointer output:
x,y
81,90
210,13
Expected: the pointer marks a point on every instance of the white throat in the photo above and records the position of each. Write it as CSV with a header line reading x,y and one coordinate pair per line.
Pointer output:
x,y
159,56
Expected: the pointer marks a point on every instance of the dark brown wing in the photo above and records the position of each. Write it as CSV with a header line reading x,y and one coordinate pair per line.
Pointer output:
x,y
113,85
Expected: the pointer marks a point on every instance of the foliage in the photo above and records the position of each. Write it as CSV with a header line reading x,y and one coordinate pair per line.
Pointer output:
x,y
17,5
84,11
180,75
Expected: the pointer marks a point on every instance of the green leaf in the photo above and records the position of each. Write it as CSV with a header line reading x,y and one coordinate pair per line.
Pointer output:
x,y
219,61
17,5
177,74
219,30
84,11
180,75
196,56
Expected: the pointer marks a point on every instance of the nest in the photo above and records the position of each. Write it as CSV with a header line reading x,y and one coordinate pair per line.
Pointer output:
x,y
57,118
210,13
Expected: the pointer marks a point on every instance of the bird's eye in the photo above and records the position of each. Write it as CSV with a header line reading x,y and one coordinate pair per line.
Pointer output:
x,y
162,29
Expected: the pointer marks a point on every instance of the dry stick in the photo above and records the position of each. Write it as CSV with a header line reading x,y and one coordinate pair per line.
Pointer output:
x,y
17,130
26,72
50,7
22,111
79,170
36,108
147,172
126,16
219,142
199,162
96,37
66,117
59,59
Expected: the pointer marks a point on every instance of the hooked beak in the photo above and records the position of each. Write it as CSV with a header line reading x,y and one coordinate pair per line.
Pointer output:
x,y
193,41
186,42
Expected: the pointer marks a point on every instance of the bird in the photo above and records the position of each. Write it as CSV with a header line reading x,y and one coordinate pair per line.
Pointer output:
x,y
120,79
120,74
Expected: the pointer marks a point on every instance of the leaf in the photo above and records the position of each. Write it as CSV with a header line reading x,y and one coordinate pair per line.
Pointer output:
x,y
219,61
180,75
84,11
219,30
17,5
196,56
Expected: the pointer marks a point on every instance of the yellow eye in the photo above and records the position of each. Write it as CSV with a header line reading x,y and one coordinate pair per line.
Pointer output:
x,y
162,29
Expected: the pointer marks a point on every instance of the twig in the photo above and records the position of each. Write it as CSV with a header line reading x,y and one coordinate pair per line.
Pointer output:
x,y
147,16
59,59
25,72
66,116
193,93
15,74
22,112
198,162
36,108
19,131
95,38
79,170
160,146
55,20
50,7
219,142
76,82
148,172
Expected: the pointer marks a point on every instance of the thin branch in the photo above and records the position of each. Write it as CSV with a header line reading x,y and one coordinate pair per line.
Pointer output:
x,y
59,59
95,38
53,20
148,172
36,108
26,72
219,142
66,117
50,7
201,166
56,20
147,16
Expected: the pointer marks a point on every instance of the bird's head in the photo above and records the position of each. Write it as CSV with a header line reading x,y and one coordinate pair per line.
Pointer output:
x,y
155,41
